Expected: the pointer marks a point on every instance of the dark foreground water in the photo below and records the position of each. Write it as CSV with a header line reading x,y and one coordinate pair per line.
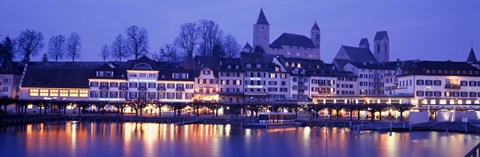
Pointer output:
x,y
151,139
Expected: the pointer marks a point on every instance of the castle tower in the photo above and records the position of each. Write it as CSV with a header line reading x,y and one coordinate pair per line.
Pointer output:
x,y
381,49
261,32
364,43
315,36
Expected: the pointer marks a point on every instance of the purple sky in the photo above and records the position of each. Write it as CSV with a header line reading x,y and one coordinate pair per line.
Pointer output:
x,y
427,29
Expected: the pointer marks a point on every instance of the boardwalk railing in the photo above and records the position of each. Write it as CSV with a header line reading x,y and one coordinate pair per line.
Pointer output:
x,y
475,152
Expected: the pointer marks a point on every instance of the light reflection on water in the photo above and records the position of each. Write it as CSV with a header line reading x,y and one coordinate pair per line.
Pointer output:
x,y
152,139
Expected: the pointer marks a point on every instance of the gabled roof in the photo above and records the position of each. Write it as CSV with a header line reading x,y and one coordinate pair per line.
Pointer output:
x,y
10,67
380,35
202,62
315,26
293,40
262,19
471,57
247,46
265,60
360,55
68,76
130,65
230,65
440,68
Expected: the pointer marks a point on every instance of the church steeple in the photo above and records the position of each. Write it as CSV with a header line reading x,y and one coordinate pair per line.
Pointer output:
x,y
471,57
315,26
262,19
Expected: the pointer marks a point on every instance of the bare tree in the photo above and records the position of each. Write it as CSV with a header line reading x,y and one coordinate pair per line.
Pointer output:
x,y
119,48
167,54
210,34
73,46
218,50
137,40
231,47
56,47
105,53
29,43
187,39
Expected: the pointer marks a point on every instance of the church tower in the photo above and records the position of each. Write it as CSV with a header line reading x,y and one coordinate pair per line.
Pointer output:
x,y
261,32
315,36
381,49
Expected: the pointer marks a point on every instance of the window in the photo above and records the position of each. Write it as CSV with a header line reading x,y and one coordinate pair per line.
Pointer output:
x,y
151,95
64,93
132,85
437,94
420,93
152,75
73,93
93,94
103,94
463,83
53,92
472,94
429,93
420,82
93,84
143,75
428,82
113,94
170,86
189,86
170,95
132,75
178,96
437,83
463,94
43,92
188,95
472,83
132,95
113,84
206,72
161,86
152,85
161,95
83,93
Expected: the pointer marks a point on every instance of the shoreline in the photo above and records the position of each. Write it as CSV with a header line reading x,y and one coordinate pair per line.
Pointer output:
x,y
356,125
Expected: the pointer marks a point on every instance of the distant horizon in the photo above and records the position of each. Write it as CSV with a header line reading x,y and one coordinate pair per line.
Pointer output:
x,y
416,29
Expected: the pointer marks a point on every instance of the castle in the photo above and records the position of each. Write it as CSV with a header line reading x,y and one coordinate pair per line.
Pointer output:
x,y
287,44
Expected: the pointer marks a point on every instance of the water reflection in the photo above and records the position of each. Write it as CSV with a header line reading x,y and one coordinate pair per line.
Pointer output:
x,y
152,139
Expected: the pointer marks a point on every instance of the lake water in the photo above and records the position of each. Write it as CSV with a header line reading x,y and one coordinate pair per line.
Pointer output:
x,y
77,139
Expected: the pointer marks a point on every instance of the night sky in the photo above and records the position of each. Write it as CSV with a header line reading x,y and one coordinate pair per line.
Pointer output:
x,y
427,29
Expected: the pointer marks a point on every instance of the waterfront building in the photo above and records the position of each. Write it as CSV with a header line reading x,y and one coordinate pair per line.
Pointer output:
x,y
439,83
10,74
256,67
231,76
287,44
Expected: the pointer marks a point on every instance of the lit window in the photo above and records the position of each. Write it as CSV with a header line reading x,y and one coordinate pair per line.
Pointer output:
x,y
53,92
43,92
84,93
33,92
73,93
63,92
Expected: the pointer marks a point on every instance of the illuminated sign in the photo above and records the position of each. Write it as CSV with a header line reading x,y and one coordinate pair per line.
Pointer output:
x,y
255,78
254,86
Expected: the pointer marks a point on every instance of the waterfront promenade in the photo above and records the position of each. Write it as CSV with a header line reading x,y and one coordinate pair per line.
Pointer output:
x,y
242,120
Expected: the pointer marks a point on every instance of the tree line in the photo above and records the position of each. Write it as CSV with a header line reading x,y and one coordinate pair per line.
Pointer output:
x,y
203,37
